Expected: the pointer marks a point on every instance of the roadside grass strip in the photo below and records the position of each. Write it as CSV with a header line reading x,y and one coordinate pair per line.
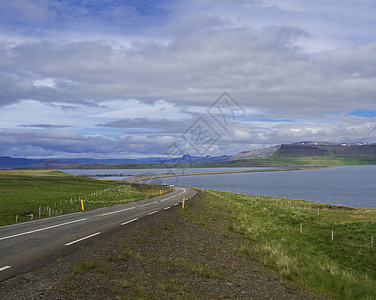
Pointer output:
x,y
325,248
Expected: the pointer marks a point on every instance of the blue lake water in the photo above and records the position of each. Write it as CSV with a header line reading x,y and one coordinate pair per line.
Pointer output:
x,y
347,185
123,173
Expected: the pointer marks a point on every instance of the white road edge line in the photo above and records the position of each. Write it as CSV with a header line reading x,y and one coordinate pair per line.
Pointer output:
x,y
84,238
117,211
152,213
168,207
4,268
135,219
149,204
41,229
43,220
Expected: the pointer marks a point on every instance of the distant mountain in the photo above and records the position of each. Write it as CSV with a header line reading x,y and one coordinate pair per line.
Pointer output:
x,y
257,154
307,153
334,150
301,153
9,162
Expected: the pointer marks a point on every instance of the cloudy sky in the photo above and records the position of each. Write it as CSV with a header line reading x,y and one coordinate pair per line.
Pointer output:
x,y
137,78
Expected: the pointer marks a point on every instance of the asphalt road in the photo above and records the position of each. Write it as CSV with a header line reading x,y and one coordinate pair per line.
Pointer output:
x,y
26,246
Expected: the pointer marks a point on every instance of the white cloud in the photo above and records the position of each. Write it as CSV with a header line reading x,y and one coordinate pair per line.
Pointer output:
x,y
300,66
120,109
46,82
32,112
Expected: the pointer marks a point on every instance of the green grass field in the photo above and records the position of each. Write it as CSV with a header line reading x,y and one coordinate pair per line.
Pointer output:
x,y
343,268
24,192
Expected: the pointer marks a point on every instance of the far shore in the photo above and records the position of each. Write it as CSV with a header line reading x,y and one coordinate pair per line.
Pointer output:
x,y
135,179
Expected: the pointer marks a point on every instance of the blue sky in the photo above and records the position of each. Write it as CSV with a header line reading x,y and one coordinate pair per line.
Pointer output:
x,y
128,78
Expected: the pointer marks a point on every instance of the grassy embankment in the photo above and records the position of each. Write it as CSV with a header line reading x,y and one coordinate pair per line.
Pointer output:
x,y
22,192
343,268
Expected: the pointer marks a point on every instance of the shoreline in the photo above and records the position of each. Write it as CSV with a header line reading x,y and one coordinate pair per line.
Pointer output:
x,y
135,179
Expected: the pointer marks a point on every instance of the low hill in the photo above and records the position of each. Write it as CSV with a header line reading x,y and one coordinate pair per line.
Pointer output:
x,y
317,154
257,154
345,150
305,153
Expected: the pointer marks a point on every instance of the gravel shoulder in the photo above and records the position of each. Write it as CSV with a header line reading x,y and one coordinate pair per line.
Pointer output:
x,y
168,255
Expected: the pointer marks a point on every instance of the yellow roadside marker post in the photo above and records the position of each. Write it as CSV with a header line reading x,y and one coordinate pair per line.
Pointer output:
x,y
160,192
202,191
183,203
82,205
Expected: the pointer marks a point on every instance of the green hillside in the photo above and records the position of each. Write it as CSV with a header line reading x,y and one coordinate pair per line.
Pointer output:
x,y
325,154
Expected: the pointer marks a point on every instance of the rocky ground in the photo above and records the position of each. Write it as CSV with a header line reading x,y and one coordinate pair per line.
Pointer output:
x,y
164,256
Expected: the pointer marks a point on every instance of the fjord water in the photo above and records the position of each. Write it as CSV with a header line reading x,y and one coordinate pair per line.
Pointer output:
x,y
346,185
123,173
353,186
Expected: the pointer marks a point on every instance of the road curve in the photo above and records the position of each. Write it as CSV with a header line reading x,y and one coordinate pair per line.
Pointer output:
x,y
25,246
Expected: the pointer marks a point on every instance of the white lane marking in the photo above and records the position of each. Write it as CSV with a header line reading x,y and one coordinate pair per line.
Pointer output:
x,y
168,207
84,238
176,204
165,199
153,212
41,229
149,203
135,219
4,268
117,211
43,220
